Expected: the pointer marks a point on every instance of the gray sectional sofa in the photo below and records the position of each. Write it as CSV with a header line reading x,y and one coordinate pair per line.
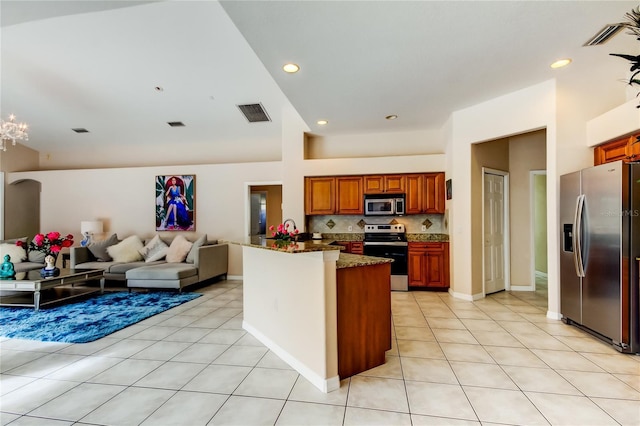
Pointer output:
x,y
206,261
33,260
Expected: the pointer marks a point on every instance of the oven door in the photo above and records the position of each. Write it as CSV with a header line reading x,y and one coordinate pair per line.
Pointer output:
x,y
396,251
391,251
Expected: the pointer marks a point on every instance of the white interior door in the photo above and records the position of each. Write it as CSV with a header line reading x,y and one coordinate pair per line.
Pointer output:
x,y
494,232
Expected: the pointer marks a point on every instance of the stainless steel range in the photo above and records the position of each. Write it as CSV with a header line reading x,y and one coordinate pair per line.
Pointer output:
x,y
389,241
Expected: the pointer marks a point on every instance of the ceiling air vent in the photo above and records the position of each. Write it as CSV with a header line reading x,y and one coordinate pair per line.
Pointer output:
x,y
604,34
175,123
80,130
254,113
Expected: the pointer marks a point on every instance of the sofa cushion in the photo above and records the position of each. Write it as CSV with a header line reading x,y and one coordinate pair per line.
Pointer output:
x,y
95,265
99,248
122,268
127,250
164,271
35,256
26,266
155,249
178,250
191,257
16,253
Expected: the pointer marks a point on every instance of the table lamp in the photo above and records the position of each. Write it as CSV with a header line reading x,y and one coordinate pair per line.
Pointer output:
x,y
88,229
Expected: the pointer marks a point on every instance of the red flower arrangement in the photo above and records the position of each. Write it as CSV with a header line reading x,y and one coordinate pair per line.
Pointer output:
x,y
282,233
50,243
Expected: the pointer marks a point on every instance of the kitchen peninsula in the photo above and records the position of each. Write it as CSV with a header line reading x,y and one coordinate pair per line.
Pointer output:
x,y
326,313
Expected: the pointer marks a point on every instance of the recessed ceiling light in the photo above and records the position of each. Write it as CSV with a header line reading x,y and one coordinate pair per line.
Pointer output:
x,y
391,117
80,130
561,63
291,68
175,123
322,122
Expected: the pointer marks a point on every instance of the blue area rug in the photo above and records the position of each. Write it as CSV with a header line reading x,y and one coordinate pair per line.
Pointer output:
x,y
89,319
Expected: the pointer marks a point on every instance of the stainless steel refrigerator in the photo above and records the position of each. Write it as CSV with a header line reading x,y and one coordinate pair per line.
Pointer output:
x,y
600,244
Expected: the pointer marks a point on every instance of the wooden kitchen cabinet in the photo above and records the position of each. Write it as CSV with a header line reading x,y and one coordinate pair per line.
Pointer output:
x,y
320,195
363,317
428,265
353,247
384,184
333,195
625,149
349,197
425,193
434,193
327,195
356,247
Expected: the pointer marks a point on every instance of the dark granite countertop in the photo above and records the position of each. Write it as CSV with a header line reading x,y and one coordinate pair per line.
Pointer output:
x,y
345,260
427,238
355,236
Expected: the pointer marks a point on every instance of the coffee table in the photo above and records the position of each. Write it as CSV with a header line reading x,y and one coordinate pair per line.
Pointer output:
x,y
48,290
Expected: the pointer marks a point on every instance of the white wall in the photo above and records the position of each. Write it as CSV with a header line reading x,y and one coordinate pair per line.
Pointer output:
x,y
518,112
417,142
124,198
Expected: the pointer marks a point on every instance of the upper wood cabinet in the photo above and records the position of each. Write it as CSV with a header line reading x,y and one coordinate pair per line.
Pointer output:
x,y
349,198
333,195
328,195
625,149
320,195
381,184
425,193
434,193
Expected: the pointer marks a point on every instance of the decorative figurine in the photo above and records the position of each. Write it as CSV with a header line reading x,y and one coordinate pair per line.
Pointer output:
x,y
50,269
6,269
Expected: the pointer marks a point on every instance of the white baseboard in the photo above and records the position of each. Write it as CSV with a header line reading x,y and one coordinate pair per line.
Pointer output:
x,y
325,385
467,297
522,288
554,315
234,277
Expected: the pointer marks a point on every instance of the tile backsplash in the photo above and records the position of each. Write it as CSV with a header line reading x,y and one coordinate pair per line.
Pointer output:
x,y
435,223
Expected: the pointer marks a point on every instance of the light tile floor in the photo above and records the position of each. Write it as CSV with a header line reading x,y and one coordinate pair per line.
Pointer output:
x,y
494,361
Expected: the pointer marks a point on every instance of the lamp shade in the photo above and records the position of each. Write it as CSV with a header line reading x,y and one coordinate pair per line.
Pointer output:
x,y
91,227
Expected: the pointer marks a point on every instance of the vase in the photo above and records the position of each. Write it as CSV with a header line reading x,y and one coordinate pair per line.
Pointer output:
x,y
50,269
281,243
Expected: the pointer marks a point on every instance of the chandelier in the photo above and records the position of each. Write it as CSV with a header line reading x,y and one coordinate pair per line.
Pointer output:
x,y
10,131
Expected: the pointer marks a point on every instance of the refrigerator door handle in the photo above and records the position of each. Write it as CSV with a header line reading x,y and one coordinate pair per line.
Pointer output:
x,y
577,236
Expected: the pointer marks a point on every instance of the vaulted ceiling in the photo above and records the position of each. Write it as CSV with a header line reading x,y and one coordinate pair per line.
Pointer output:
x,y
122,70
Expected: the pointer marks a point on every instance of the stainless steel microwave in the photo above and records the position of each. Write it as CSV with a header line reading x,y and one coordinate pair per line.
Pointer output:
x,y
384,205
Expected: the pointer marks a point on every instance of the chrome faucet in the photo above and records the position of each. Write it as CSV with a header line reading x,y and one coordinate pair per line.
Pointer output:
x,y
290,220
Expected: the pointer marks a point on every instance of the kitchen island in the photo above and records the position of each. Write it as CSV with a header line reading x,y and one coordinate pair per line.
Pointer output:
x,y
325,313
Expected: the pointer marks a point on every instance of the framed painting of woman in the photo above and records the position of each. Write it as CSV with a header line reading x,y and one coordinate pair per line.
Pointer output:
x,y
175,203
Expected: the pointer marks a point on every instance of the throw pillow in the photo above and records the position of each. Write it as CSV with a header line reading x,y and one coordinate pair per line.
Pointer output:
x,y
127,250
16,253
179,249
191,257
155,249
99,248
36,256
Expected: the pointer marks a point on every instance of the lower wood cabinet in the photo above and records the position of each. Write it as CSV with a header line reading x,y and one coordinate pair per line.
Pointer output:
x,y
353,247
356,247
364,317
429,265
